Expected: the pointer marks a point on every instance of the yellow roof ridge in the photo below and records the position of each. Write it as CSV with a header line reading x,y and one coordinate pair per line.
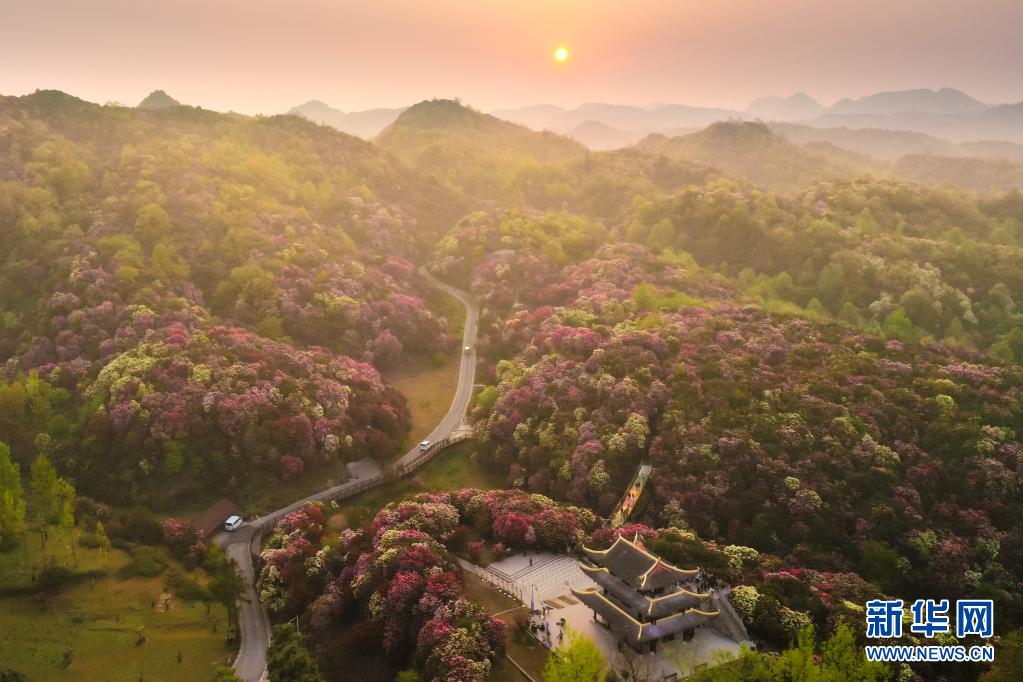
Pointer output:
x,y
597,593
656,559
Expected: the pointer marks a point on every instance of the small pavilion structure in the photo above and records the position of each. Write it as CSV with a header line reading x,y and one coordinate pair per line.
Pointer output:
x,y
641,598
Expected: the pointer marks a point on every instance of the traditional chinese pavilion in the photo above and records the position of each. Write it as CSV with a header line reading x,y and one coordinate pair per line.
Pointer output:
x,y
641,598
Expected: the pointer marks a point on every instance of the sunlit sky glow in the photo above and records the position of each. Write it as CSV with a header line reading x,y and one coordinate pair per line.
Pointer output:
x,y
262,56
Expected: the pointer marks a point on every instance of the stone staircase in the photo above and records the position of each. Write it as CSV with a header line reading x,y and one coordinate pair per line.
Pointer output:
x,y
728,623
551,574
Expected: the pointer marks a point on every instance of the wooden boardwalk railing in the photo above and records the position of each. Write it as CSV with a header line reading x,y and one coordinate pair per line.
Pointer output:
x,y
406,466
402,468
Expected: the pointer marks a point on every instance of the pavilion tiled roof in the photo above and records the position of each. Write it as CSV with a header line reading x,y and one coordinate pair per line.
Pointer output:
x,y
637,602
638,567
624,625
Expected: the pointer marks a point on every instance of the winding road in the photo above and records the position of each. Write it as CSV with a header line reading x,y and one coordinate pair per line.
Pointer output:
x,y
254,625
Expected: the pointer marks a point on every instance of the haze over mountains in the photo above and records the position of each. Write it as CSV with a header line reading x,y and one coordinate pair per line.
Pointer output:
x,y
886,125
946,113
778,155
365,124
934,136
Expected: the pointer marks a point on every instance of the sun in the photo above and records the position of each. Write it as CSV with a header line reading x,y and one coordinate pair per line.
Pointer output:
x,y
561,54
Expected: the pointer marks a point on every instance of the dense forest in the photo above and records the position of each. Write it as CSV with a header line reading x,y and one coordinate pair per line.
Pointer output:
x,y
820,353
767,429
192,297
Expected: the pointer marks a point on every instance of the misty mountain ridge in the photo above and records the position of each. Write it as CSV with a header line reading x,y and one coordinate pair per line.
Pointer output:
x,y
1001,122
600,136
797,107
751,151
946,113
535,116
365,124
944,101
422,125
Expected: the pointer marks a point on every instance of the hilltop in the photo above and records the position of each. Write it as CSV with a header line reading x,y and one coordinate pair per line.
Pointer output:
x,y
158,99
470,150
751,151
944,101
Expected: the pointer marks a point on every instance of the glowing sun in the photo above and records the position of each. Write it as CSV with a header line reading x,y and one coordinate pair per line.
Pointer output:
x,y
561,54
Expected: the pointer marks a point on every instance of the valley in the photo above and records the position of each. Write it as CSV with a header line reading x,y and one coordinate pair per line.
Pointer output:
x,y
810,335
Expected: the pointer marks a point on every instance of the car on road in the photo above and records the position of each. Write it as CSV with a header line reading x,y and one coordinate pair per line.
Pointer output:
x,y
468,348
233,523
425,445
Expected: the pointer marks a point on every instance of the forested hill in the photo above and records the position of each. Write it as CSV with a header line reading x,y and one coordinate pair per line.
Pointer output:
x,y
752,152
495,163
870,455
472,151
450,117
169,274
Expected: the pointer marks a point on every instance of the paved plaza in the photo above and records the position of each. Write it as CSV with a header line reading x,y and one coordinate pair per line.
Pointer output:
x,y
545,578
540,575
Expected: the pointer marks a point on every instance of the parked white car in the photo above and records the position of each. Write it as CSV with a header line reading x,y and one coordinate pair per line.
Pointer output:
x,y
233,523
425,445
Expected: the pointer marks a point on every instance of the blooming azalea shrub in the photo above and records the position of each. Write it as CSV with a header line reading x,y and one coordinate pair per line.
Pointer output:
x,y
396,579
396,574
184,541
288,579
179,535
367,311
171,398
604,537
513,518
238,400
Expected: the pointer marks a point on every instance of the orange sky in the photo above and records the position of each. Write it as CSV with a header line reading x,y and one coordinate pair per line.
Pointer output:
x,y
261,56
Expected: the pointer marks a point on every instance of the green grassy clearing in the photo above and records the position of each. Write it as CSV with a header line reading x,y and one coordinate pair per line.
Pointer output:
x,y
454,469
526,651
99,619
428,390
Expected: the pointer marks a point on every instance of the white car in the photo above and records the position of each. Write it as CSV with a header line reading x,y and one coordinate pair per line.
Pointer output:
x,y
468,348
425,445
233,523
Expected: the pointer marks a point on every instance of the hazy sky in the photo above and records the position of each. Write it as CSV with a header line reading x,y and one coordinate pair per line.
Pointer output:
x,y
262,56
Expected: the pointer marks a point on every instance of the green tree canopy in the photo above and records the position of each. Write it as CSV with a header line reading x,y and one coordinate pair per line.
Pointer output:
x,y
288,659
580,660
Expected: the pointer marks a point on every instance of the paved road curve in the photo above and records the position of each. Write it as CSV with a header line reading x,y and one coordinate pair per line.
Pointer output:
x,y
254,626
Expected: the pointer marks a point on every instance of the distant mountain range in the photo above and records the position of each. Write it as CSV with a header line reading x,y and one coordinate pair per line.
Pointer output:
x,y
365,124
944,101
751,151
937,129
797,107
597,135
946,113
